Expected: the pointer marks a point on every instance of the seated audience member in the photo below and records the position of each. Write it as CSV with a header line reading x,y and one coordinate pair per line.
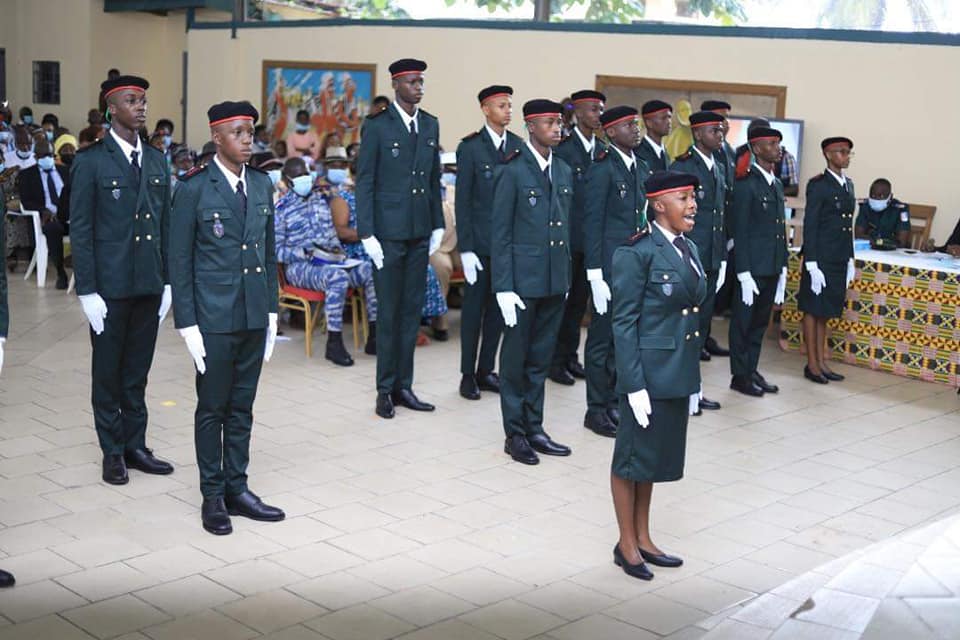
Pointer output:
x,y
90,135
18,229
156,141
49,124
22,154
951,246
26,116
302,142
206,154
165,128
182,163
883,220
44,187
65,149
379,104
446,259
314,258
261,139
332,139
280,149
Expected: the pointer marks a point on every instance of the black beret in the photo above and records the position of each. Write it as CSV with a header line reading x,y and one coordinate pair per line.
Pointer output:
x,y
226,111
661,182
616,115
587,95
123,82
827,142
494,90
407,65
714,105
762,133
540,107
654,106
703,118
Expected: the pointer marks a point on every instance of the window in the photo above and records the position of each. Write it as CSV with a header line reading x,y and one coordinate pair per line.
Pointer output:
x,y
46,82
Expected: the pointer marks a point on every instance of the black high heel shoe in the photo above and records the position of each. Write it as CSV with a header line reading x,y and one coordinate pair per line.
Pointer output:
x,y
819,378
633,570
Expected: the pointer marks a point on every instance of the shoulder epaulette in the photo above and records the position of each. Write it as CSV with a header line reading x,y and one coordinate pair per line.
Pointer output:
x,y
643,233
510,156
193,172
900,205
470,136
90,146
685,156
426,113
744,162
377,114
818,177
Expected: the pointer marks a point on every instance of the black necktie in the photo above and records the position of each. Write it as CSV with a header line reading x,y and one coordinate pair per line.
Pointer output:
x,y
413,133
681,244
135,165
503,148
241,196
52,189
546,173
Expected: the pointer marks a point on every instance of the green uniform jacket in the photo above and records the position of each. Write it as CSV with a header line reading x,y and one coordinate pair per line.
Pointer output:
x,y
119,229
656,306
759,226
572,152
477,162
645,152
828,220
398,183
882,227
530,245
709,232
616,208
4,309
223,261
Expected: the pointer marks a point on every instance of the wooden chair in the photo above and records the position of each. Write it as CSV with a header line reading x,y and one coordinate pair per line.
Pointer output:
x,y
358,312
306,300
921,221
457,277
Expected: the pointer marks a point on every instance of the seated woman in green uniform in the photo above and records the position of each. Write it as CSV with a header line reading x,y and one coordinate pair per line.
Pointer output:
x,y
827,254
658,287
883,220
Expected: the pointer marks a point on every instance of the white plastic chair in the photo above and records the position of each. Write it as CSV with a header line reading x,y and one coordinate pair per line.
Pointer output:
x,y
40,253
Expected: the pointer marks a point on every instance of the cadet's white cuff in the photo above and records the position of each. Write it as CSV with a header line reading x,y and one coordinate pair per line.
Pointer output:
x,y
594,274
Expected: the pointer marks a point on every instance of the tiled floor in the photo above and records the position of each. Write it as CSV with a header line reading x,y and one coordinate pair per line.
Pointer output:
x,y
421,527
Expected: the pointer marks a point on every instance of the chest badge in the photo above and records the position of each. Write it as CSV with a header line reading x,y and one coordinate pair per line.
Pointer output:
x,y
623,192
217,226
699,194
667,289
532,199
116,194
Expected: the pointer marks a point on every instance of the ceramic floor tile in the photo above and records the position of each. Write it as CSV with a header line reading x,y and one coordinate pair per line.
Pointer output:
x,y
338,590
422,606
512,620
187,595
107,581
839,609
656,614
115,616
600,626
481,586
360,622
271,611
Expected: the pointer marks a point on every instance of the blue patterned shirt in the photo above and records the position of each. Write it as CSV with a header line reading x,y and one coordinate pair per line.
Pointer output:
x,y
303,224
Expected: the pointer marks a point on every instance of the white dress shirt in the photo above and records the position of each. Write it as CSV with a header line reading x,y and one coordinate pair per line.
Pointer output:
x,y
628,160
57,184
498,140
588,145
233,178
841,179
544,163
708,160
659,148
126,147
407,118
769,177
671,236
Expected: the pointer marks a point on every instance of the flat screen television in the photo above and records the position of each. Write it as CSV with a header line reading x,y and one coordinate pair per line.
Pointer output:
x,y
792,131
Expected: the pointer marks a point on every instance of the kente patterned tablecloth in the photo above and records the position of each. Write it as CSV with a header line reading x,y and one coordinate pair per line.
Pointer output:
x,y
902,318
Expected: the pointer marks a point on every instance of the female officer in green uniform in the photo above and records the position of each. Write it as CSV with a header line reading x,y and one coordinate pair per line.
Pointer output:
x,y
658,287
827,254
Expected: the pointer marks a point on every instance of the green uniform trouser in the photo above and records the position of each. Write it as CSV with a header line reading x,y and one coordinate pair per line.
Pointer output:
x,y
224,416
524,362
122,356
748,324
401,288
600,365
706,309
481,323
568,338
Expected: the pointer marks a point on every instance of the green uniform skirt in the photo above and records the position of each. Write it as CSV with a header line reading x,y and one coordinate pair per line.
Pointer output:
x,y
833,296
657,453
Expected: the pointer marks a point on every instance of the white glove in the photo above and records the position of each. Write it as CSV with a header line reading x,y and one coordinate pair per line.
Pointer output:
x,y
693,405
509,301
817,279
372,246
191,335
165,301
748,288
436,237
781,292
640,404
851,271
95,309
599,289
729,245
2,340
271,336
471,264
723,275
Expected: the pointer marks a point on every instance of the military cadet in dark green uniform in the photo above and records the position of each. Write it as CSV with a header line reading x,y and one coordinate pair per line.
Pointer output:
x,y
658,120
400,222
223,265
479,157
726,154
760,246
658,281
530,256
709,232
579,150
827,254
615,204
883,220
6,578
119,217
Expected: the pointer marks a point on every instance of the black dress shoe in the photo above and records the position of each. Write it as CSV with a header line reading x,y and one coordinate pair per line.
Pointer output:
x,y
406,398
248,505
633,570
441,335
385,406
144,460
561,376
469,388
61,281
833,376
114,470
575,369
715,350
661,559
542,443
6,579
600,424
761,382
709,405
819,378
371,347
704,356
488,381
614,415
745,385
519,449
214,516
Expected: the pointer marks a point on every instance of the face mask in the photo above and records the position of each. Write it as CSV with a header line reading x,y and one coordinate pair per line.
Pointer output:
x,y
4,137
313,176
49,135
45,163
302,185
302,128
67,159
448,179
27,119
274,176
336,176
878,205
167,141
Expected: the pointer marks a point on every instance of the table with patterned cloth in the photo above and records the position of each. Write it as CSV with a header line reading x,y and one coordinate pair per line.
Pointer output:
x,y
902,315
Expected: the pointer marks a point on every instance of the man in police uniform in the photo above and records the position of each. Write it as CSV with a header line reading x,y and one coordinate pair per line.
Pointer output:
x,y
530,256
615,210
119,204
709,232
479,156
223,267
883,220
578,150
658,120
760,244
400,222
